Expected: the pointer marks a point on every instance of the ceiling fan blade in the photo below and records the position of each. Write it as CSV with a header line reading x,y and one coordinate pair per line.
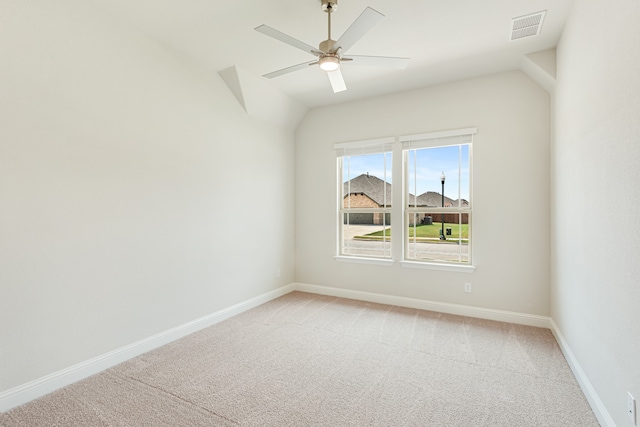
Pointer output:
x,y
271,32
378,61
366,21
289,69
337,82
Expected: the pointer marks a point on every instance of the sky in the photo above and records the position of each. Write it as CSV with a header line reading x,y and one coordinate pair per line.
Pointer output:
x,y
425,167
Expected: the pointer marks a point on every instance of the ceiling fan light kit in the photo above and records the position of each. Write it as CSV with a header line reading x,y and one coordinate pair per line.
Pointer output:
x,y
329,63
330,52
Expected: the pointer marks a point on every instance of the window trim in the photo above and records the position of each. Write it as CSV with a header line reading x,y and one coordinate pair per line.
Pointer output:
x,y
429,265
438,135
388,262
362,144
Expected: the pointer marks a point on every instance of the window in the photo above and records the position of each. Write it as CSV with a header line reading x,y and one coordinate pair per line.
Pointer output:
x,y
437,208
432,190
365,192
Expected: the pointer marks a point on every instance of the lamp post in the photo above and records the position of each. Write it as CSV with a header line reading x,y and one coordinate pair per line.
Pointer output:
x,y
442,179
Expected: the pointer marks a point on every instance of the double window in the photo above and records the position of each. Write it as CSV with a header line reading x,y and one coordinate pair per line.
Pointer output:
x,y
427,194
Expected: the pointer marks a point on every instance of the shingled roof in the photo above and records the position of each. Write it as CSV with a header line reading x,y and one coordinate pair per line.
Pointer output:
x,y
431,199
371,186
434,200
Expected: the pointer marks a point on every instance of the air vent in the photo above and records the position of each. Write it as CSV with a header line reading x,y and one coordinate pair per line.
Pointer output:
x,y
527,26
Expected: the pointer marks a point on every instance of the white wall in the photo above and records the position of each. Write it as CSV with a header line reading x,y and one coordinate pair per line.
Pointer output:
x,y
511,191
596,197
133,187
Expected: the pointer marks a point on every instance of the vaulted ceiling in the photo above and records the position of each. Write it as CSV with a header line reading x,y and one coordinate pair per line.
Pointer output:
x,y
445,39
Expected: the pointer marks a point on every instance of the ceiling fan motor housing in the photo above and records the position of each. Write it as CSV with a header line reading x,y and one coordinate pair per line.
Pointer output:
x,y
329,5
327,45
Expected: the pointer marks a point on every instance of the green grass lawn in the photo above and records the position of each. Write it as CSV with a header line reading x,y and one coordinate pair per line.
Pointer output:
x,y
427,232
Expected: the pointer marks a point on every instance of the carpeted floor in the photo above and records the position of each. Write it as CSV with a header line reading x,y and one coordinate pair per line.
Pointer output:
x,y
307,359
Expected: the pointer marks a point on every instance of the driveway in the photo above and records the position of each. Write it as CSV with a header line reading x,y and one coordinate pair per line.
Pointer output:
x,y
360,230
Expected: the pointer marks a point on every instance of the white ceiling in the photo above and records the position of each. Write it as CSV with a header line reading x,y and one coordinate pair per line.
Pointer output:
x,y
445,39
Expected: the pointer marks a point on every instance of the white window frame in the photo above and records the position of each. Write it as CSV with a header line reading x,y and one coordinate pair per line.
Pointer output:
x,y
355,148
398,208
433,140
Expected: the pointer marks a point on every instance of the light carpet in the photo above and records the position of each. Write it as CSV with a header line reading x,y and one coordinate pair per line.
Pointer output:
x,y
306,359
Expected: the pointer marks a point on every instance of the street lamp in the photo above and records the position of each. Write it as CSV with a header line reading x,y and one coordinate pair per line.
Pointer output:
x,y
442,179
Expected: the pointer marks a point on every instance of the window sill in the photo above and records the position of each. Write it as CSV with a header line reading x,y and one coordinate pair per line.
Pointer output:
x,y
362,260
442,267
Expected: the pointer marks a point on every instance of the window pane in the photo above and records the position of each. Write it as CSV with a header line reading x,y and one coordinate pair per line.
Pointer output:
x,y
366,234
426,167
366,181
427,243
465,177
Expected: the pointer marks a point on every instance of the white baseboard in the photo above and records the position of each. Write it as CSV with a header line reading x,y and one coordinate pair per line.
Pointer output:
x,y
32,390
592,397
440,307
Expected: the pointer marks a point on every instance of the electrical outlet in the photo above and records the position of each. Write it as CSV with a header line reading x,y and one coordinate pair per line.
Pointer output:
x,y
278,272
631,408
467,287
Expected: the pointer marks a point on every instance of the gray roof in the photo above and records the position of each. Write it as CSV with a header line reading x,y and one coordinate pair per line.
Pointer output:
x,y
434,199
463,203
372,186
431,199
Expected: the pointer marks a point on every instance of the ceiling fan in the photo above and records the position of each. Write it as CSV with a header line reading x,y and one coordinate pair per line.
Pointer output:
x,y
330,52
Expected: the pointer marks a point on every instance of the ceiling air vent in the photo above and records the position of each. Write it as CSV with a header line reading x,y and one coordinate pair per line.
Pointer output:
x,y
527,26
